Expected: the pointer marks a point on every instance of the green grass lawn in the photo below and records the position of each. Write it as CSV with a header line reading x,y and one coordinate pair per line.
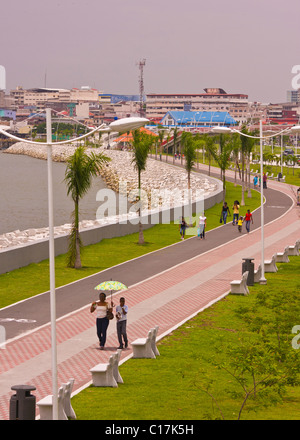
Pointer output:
x,y
34,278
188,382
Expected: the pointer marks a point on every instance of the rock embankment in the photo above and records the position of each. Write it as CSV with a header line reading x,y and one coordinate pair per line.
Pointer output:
x,y
167,183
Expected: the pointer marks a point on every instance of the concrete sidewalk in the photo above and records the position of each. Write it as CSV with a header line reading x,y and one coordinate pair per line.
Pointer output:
x,y
185,288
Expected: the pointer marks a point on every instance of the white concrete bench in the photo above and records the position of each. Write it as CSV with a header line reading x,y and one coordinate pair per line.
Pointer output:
x,y
46,406
117,375
257,274
103,374
294,250
153,341
69,411
142,347
240,286
271,176
270,265
282,257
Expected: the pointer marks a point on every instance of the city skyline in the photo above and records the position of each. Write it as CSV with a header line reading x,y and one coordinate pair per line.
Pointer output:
x,y
187,46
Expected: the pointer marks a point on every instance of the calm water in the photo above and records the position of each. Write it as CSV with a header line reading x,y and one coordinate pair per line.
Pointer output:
x,y
24,194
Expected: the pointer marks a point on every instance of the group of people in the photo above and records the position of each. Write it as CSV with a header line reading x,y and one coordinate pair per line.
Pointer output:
x,y
201,227
256,181
102,321
237,218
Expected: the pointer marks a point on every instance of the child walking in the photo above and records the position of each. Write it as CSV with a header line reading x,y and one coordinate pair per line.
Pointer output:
x,y
240,224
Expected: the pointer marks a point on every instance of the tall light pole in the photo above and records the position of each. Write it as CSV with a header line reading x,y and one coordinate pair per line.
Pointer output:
x,y
120,125
262,279
52,264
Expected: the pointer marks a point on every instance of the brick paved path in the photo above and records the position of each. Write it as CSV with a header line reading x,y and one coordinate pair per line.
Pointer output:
x,y
190,286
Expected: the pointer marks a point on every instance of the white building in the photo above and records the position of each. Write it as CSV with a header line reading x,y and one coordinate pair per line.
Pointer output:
x,y
214,99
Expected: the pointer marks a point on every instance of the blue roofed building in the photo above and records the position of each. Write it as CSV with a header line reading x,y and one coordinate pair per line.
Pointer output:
x,y
200,119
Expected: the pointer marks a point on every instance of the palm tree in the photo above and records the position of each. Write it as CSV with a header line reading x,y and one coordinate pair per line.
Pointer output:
x,y
236,146
210,147
161,134
190,156
222,157
141,144
175,136
81,167
189,151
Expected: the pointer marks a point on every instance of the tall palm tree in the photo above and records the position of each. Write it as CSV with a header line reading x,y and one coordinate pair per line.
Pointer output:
x,y
141,144
175,136
222,157
81,168
190,156
161,135
189,150
247,144
210,146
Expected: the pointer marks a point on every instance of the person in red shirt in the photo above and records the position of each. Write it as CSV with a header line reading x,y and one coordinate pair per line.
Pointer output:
x,y
248,218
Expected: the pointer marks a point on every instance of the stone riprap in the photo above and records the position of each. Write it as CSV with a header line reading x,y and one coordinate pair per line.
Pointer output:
x,y
168,182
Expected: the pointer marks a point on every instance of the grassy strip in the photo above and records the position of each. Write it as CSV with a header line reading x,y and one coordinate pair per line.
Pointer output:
x,y
34,278
187,381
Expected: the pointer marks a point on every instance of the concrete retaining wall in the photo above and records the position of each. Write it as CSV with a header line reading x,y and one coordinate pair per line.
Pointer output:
x,y
20,256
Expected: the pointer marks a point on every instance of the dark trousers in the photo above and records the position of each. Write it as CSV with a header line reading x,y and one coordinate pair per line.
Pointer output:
x,y
102,324
121,331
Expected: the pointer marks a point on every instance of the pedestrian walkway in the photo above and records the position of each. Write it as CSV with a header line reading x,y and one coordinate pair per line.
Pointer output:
x,y
186,288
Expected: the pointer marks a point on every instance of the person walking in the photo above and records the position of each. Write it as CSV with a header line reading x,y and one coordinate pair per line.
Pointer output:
x,y
101,321
224,213
121,315
236,211
264,180
255,181
248,219
202,226
240,224
183,226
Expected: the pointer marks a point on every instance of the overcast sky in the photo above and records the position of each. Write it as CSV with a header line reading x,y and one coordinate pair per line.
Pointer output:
x,y
242,46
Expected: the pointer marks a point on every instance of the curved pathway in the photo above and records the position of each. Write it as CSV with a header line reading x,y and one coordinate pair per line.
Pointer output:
x,y
192,273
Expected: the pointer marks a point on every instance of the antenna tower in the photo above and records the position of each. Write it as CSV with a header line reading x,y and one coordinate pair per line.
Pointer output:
x,y
141,65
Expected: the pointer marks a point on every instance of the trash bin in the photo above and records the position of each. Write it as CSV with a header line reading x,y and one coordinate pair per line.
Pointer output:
x,y
22,404
249,266
279,176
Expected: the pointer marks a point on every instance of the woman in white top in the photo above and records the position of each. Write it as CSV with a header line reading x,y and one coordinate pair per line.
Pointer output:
x,y
101,322
202,226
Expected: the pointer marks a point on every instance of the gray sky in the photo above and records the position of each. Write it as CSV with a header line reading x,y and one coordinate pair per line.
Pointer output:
x,y
242,46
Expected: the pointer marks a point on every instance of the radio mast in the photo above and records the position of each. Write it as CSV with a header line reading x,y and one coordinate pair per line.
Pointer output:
x,y
141,65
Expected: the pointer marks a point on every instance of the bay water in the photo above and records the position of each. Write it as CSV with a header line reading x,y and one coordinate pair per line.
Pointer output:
x,y
24,194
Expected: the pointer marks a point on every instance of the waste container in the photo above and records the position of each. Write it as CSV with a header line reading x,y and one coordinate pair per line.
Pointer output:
x,y
249,266
22,404
279,176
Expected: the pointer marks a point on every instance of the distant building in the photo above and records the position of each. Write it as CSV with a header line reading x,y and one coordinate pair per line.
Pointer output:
x,y
283,113
213,100
113,98
7,114
293,96
41,95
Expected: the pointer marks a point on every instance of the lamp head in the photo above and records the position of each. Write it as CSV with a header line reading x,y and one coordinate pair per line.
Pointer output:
x,y
221,130
127,124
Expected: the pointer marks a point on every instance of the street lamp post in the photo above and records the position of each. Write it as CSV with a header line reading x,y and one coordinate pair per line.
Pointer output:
x,y
120,125
262,279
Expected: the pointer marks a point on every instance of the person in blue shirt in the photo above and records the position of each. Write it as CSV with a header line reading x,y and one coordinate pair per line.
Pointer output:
x,y
121,315
255,181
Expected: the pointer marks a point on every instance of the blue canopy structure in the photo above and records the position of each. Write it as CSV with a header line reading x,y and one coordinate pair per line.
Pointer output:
x,y
197,119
